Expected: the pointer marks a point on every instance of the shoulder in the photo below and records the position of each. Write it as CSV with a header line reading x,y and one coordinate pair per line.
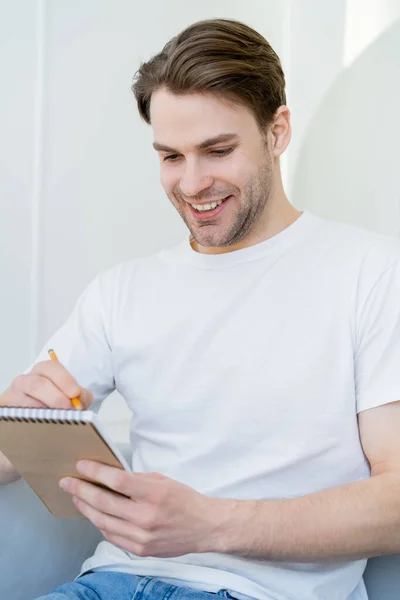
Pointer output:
x,y
132,276
367,253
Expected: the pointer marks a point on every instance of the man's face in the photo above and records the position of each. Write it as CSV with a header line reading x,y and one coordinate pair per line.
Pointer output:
x,y
212,152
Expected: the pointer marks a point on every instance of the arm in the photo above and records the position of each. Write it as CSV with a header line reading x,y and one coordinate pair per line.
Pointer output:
x,y
7,471
352,521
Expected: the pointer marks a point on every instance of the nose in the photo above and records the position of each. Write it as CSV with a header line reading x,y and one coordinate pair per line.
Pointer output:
x,y
194,180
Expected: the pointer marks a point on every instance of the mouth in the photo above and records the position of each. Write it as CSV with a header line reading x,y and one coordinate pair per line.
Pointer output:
x,y
205,212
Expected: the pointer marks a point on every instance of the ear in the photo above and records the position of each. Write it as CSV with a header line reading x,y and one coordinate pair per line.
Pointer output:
x,y
281,131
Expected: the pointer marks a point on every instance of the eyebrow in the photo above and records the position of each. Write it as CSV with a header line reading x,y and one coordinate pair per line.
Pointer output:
x,y
223,137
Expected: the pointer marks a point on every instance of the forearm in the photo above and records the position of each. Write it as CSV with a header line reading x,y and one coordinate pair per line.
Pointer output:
x,y
354,521
7,471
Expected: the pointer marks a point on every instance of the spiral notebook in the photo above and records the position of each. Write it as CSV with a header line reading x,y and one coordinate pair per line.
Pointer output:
x,y
44,445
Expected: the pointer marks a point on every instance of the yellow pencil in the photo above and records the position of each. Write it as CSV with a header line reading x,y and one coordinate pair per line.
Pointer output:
x,y
76,403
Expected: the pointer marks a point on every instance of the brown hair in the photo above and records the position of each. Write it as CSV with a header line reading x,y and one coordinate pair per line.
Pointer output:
x,y
223,57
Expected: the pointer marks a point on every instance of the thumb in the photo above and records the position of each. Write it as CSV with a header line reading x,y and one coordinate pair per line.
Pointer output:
x,y
86,398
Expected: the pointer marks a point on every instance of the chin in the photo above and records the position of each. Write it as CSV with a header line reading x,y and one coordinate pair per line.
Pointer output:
x,y
207,242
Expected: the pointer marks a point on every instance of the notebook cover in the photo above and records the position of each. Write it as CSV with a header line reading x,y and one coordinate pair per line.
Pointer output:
x,y
44,452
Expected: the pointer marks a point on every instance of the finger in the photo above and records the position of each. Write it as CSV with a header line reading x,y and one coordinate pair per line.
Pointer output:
x,y
58,374
19,399
86,397
105,501
64,381
137,487
41,389
157,476
108,524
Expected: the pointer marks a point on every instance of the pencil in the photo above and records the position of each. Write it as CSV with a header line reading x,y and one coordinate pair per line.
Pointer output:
x,y
76,403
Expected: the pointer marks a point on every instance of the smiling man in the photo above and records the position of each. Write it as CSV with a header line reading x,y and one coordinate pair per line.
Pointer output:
x,y
259,358
224,186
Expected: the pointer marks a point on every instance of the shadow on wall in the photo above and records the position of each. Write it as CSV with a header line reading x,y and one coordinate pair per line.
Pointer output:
x,y
348,170
348,167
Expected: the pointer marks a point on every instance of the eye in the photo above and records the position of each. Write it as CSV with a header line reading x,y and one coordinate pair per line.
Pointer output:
x,y
217,152
221,151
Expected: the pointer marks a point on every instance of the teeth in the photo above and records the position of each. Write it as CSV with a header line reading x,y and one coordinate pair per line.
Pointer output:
x,y
210,206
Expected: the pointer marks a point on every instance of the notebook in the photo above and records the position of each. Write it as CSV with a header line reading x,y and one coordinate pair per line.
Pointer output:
x,y
45,444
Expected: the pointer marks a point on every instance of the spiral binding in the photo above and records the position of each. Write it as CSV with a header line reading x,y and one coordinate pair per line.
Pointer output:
x,y
43,415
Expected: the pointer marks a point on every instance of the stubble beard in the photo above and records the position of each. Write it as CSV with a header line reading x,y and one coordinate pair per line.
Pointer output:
x,y
248,213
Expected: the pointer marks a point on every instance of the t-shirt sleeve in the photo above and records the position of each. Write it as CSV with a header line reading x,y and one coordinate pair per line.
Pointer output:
x,y
377,356
82,342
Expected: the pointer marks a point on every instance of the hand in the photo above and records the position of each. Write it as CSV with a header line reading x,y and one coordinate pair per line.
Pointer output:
x,y
48,385
147,514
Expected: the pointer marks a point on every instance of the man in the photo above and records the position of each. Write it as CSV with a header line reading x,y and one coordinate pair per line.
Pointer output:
x,y
259,357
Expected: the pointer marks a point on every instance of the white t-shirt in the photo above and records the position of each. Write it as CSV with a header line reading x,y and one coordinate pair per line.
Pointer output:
x,y
245,372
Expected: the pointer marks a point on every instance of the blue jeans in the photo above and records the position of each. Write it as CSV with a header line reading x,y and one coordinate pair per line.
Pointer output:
x,y
109,585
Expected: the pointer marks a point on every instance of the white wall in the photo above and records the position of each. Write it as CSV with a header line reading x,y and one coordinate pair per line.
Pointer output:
x,y
17,81
322,41
348,163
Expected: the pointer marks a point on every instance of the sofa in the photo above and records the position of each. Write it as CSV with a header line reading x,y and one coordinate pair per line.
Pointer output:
x,y
38,551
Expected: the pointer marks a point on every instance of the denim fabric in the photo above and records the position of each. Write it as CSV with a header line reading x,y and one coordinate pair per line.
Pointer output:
x,y
108,585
